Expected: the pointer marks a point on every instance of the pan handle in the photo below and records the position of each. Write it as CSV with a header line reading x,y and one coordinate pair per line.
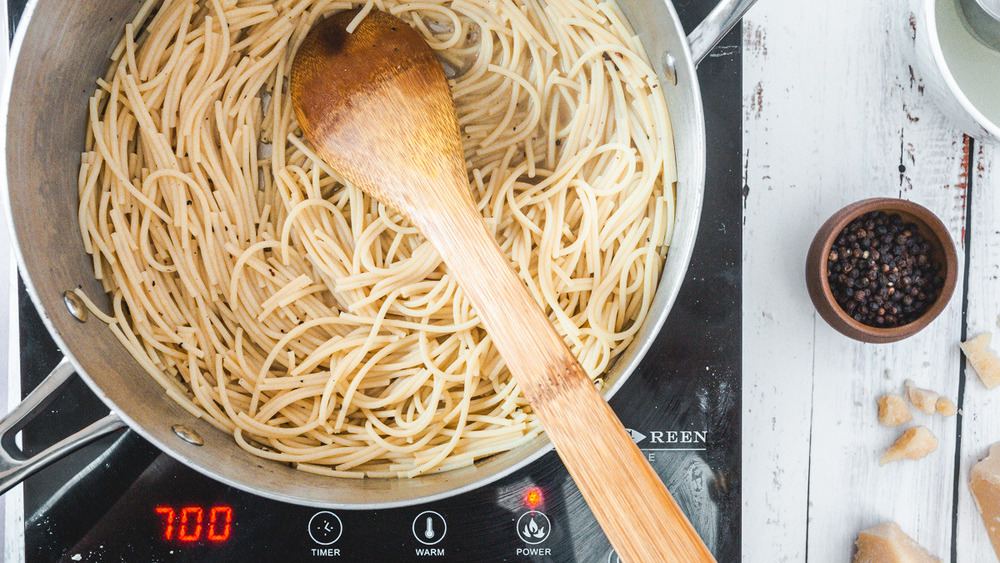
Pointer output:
x,y
716,26
14,465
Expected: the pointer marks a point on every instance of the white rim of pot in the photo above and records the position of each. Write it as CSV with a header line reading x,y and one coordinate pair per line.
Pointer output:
x,y
930,13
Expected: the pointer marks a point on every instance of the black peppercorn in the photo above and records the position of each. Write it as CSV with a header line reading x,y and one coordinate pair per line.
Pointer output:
x,y
881,271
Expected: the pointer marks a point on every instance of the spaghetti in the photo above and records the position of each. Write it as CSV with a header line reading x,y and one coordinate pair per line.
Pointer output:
x,y
313,324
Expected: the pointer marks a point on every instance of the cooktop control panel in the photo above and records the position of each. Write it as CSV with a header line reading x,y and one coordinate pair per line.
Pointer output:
x,y
173,513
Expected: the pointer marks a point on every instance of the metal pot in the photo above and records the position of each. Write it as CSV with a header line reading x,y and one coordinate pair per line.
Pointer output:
x,y
59,49
959,62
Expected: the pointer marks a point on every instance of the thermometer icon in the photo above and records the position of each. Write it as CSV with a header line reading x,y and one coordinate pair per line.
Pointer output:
x,y
429,527
429,531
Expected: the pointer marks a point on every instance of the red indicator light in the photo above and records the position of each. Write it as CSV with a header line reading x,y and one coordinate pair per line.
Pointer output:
x,y
190,524
533,497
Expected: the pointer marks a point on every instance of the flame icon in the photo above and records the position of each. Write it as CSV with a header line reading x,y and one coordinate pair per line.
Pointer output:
x,y
533,530
533,527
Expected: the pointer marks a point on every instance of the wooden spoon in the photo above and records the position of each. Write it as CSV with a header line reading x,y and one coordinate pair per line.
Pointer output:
x,y
377,107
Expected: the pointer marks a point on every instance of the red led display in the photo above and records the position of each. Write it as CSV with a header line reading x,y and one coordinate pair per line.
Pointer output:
x,y
190,523
219,531
168,525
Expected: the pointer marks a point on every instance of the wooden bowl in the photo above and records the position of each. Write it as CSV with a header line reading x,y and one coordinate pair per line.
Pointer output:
x,y
942,252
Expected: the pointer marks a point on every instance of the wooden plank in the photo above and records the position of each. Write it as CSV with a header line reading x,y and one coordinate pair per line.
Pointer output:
x,y
777,335
848,490
893,141
980,415
11,505
834,113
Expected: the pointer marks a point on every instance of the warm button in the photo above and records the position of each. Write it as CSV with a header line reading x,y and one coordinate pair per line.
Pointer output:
x,y
429,527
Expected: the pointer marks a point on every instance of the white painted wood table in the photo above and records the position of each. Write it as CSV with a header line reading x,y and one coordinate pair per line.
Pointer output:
x,y
834,112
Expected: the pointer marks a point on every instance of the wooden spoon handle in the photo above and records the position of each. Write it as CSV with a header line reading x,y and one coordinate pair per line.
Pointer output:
x,y
637,513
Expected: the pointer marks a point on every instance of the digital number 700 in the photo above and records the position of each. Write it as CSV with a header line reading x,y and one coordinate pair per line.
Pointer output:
x,y
189,525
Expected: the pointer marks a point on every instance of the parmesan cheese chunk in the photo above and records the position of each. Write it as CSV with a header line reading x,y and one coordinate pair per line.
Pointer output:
x,y
887,543
924,399
946,407
892,410
983,361
985,485
915,443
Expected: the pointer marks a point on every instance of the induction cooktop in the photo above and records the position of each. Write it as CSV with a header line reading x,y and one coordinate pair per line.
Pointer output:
x,y
120,499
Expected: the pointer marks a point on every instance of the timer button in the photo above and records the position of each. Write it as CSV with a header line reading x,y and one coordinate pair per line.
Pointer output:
x,y
325,527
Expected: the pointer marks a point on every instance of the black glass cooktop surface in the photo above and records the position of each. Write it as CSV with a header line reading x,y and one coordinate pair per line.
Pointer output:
x,y
120,499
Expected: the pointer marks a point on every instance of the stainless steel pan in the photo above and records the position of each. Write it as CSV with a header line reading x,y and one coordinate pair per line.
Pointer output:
x,y
59,50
